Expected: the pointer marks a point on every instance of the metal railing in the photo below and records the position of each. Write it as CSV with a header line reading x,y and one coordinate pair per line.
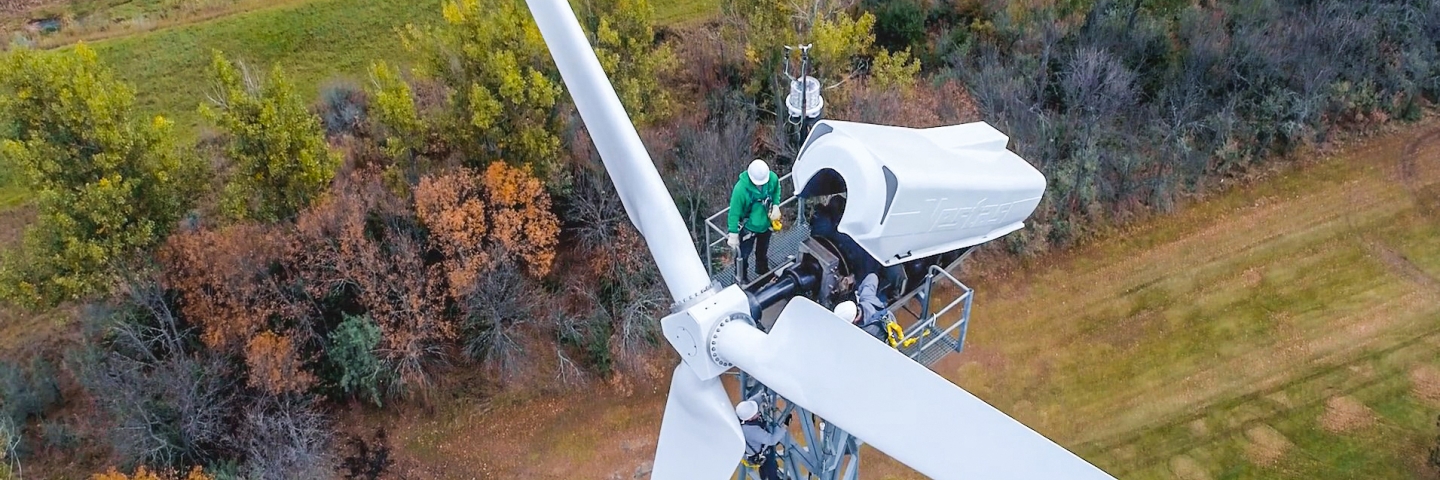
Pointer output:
x,y
932,336
717,228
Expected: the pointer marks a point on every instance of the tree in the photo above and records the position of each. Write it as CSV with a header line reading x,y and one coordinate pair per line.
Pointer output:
x,y
900,25
107,184
361,247
765,26
395,111
502,215
223,283
274,364
503,87
278,147
623,34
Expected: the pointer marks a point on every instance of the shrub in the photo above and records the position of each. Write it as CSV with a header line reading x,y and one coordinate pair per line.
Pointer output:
x,y
59,436
284,437
27,393
900,25
494,311
1139,105
352,350
343,108
168,401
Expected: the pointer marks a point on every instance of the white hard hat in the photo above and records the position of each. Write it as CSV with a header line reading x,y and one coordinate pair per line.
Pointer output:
x,y
747,410
759,172
847,311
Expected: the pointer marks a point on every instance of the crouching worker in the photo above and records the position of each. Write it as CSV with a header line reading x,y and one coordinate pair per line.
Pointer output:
x,y
760,439
871,316
868,311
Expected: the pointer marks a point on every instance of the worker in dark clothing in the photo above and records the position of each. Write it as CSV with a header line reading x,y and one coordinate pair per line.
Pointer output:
x,y
760,439
867,311
825,224
754,210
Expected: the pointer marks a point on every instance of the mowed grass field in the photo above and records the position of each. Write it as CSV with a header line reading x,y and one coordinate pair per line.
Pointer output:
x,y
1289,329
314,42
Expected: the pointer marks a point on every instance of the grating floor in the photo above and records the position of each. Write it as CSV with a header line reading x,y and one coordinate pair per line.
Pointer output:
x,y
783,244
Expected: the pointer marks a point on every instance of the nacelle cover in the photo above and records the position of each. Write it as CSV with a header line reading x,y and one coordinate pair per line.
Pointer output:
x,y
913,193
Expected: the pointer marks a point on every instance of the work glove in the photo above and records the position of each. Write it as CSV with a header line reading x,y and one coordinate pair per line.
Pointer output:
x,y
734,241
774,212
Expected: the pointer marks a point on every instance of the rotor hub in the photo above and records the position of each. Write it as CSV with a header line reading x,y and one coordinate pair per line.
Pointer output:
x,y
715,337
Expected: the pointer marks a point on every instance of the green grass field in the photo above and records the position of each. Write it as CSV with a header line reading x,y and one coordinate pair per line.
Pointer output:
x,y
314,42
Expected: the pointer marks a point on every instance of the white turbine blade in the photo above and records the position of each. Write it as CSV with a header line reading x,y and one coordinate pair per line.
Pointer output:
x,y
830,367
649,205
699,437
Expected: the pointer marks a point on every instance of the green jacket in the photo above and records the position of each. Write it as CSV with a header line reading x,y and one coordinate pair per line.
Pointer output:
x,y
753,203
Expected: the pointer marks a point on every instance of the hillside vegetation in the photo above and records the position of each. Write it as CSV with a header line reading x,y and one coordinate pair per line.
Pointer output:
x,y
1286,329
379,208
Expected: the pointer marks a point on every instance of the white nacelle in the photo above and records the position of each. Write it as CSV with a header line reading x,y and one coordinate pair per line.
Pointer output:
x,y
913,193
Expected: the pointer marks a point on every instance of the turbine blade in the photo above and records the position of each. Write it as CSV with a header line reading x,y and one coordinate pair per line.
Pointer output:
x,y
699,436
648,204
826,365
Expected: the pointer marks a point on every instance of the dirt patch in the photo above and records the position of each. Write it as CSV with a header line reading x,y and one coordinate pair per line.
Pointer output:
x,y
1345,414
1403,266
1251,277
1266,445
1426,382
1199,429
13,223
1186,468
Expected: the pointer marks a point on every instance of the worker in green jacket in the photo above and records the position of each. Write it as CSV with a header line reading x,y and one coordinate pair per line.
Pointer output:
x,y
754,209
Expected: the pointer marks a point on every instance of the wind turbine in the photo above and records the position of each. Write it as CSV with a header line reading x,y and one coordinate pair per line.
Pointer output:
x,y
809,356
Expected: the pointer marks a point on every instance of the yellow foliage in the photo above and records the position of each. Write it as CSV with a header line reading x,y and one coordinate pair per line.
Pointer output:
x,y
142,473
896,70
839,40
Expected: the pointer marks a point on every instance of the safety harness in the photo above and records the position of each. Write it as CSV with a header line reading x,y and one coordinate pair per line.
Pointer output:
x,y
755,459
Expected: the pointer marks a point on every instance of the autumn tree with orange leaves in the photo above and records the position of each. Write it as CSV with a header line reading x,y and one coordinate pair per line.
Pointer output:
x,y
502,215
